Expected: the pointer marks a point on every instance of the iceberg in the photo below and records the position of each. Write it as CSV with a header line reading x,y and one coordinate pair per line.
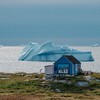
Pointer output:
x,y
50,52
95,45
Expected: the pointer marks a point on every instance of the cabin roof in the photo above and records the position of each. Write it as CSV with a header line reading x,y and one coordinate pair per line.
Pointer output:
x,y
72,59
49,65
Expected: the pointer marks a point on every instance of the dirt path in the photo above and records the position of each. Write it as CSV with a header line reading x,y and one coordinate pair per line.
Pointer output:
x,y
19,97
41,97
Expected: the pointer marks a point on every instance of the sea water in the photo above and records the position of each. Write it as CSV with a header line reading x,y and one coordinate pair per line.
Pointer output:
x,y
9,60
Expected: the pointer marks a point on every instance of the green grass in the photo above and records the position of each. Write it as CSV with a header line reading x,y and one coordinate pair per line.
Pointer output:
x,y
22,83
96,75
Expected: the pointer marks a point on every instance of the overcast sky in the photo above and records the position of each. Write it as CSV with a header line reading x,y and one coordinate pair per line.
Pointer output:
x,y
71,22
50,2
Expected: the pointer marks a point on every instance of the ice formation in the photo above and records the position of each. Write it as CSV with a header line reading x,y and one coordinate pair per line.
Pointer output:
x,y
95,45
50,52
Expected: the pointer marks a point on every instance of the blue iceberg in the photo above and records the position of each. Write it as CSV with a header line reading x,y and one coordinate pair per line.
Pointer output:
x,y
50,52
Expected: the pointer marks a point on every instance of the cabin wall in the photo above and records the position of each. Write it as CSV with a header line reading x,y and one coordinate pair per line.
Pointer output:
x,y
49,69
49,72
77,68
63,61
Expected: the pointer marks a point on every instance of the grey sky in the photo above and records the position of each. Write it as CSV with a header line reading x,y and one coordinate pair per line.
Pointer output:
x,y
51,2
72,22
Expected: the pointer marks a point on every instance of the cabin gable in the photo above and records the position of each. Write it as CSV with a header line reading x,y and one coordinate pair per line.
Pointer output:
x,y
67,65
63,66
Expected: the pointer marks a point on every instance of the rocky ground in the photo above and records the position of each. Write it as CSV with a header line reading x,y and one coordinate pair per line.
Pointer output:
x,y
22,86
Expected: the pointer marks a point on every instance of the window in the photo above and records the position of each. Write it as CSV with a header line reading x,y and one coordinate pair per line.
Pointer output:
x,y
63,68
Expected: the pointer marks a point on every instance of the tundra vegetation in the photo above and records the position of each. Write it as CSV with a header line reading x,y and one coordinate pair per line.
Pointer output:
x,y
31,86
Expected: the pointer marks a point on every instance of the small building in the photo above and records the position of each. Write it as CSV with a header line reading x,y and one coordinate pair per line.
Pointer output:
x,y
49,71
66,65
